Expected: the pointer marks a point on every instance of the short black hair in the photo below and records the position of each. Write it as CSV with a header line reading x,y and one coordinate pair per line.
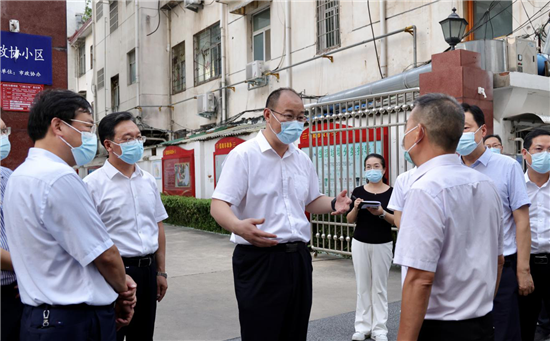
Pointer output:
x,y
491,136
476,112
51,103
528,140
107,125
382,161
273,97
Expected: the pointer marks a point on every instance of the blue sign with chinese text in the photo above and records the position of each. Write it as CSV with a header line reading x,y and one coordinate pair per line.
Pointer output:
x,y
25,58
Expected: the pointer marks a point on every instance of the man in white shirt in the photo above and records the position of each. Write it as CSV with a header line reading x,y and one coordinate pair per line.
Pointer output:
x,y
508,177
536,153
68,270
450,236
265,188
400,189
129,205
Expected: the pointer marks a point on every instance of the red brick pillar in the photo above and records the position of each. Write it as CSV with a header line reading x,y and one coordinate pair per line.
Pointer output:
x,y
458,73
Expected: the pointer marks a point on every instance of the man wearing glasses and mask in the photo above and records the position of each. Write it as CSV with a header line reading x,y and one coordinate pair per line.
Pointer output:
x,y
265,188
129,205
68,269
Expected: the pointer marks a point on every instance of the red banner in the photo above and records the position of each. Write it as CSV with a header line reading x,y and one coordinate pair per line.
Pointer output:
x,y
19,96
331,138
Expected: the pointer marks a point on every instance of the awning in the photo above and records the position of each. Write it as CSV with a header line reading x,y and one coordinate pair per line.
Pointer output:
x,y
223,132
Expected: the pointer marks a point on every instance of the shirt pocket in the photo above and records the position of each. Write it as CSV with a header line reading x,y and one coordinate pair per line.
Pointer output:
x,y
301,187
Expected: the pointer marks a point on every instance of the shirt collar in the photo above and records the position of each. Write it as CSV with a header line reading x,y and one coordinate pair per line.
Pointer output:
x,y
528,180
483,159
111,171
441,160
264,144
40,152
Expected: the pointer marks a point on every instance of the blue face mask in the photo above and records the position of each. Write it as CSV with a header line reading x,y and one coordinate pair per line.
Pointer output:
x,y
5,147
407,152
374,175
131,151
495,150
290,131
467,143
540,162
84,153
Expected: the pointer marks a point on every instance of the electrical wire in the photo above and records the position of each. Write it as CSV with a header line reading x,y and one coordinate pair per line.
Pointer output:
x,y
527,14
374,41
158,25
477,26
533,17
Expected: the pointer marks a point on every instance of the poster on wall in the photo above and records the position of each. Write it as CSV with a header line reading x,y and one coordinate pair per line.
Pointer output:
x,y
18,96
157,169
221,150
178,170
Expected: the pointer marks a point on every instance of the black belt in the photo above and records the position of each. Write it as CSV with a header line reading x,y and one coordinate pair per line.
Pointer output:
x,y
286,247
140,262
540,258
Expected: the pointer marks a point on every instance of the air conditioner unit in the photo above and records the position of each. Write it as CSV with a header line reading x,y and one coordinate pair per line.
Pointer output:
x,y
255,74
206,105
193,5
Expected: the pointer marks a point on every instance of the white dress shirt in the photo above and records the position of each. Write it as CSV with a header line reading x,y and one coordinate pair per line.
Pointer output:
x,y
130,208
54,234
402,185
451,226
258,183
539,215
507,175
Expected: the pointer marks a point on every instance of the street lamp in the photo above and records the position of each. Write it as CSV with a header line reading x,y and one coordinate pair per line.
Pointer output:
x,y
453,28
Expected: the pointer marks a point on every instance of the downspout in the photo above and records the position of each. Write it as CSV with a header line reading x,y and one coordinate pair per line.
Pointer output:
x,y
383,41
94,75
137,29
170,56
287,44
223,28
105,60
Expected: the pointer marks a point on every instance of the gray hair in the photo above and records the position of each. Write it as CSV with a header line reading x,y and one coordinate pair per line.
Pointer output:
x,y
443,118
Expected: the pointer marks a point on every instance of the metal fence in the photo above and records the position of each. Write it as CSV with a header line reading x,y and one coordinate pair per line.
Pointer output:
x,y
341,135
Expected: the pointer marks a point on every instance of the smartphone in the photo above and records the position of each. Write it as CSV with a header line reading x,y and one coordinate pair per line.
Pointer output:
x,y
369,204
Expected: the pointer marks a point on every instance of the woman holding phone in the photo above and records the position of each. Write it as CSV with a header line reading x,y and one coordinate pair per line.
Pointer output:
x,y
372,250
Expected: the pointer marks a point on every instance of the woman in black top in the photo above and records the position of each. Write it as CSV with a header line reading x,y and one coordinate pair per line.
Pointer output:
x,y
372,251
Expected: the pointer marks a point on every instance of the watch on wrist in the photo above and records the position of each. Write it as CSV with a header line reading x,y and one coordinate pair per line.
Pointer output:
x,y
163,274
333,204
383,215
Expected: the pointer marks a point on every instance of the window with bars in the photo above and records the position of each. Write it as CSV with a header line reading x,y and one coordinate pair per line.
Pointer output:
x,y
91,57
98,10
132,74
207,54
261,36
101,78
328,24
178,68
113,15
81,60
115,98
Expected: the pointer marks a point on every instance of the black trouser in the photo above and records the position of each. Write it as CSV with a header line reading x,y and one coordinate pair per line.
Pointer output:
x,y
530,305
505,305
273,288
68,323
12,308
476,329
143,271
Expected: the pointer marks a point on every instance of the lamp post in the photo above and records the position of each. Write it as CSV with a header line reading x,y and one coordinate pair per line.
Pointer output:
x,y
453,28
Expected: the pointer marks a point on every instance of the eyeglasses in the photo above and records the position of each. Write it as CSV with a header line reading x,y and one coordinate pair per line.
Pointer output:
x,y
6,131
139,139
92,126
288,117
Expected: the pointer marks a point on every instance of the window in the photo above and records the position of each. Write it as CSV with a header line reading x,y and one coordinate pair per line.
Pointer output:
x,y
101,78
113,12
261,36
115,100
494,19
91,57
207,52
81,60
98,10
178,68
328,25
132,75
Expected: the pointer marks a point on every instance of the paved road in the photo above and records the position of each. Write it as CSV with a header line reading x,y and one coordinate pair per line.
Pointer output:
x,y
200,303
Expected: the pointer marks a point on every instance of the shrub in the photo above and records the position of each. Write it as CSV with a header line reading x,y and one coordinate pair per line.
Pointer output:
x,y
190,212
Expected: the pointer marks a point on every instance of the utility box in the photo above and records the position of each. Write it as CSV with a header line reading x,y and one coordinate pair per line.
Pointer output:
x,y
255,74
206,105
522,55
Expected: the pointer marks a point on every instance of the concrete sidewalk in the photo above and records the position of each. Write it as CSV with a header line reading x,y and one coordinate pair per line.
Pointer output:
x,y
200,303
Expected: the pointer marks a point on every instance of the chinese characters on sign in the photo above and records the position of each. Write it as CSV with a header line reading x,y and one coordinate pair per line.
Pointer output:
x,y
25,58
19,97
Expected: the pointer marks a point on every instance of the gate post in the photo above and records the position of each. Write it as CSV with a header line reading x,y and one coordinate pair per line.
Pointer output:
x,y
458,73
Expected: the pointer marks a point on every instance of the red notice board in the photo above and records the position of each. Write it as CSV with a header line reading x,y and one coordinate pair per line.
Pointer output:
x,y
19,96
178,169
222,148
